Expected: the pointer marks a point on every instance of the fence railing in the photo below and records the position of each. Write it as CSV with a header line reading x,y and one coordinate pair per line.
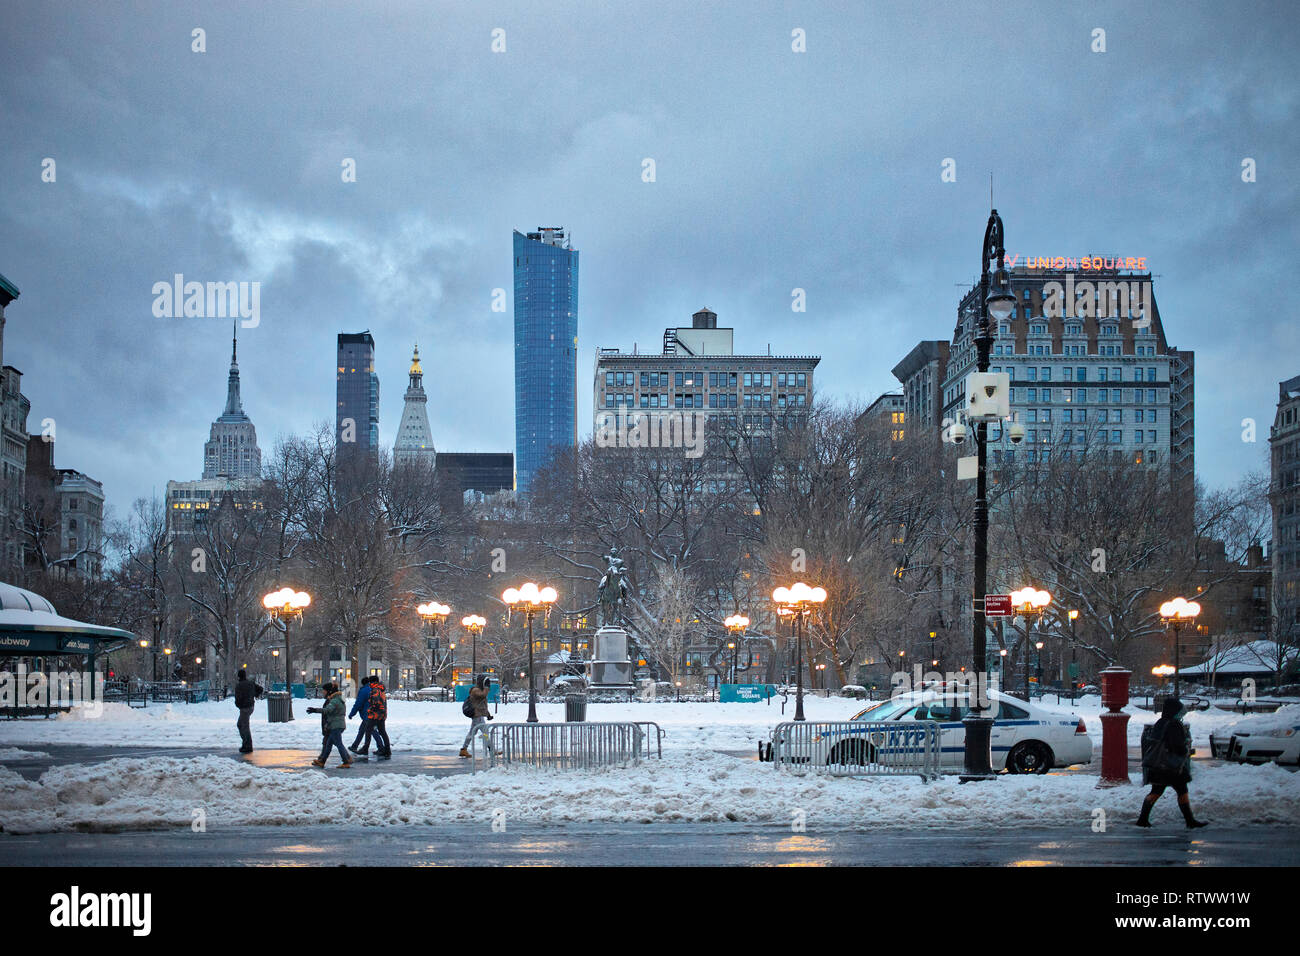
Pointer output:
x,y
856,748
570,746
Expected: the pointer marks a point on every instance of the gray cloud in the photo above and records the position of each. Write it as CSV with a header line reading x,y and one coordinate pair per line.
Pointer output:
x,y
775,170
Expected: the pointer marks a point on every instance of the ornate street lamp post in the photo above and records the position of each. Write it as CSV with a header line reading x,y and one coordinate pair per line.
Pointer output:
x,y
735,625
997,301
474,624
797,600
284,606
1031,603
531,600
1176,615
431,614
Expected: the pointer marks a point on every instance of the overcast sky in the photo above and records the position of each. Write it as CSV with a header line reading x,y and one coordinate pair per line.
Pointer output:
x,y
775,169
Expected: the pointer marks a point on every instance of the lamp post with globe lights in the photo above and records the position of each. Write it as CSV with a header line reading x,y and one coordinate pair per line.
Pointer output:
x,y
1176,615
531,601
432,613
798,600
996,302
284,606
474,624
735,625
1031,604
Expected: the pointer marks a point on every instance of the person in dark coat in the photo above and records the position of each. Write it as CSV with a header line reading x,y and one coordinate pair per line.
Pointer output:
x,y
246,692
334,720
361,746
1167,762
377,714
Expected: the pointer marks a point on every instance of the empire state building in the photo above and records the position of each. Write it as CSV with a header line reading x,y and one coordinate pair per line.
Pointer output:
x,y
231,449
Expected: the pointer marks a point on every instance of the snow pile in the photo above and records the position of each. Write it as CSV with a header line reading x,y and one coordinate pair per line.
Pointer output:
x,y
1284,718
685,787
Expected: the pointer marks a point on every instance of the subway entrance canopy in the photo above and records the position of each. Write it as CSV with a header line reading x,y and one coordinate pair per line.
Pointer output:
x,y
30,627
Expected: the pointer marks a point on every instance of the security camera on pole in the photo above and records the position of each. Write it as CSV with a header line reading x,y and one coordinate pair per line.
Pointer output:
x,y
988,399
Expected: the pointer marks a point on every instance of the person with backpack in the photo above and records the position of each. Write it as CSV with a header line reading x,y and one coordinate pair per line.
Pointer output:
x,y
246,692
377,715
476,708
363,732
1167,762
334,720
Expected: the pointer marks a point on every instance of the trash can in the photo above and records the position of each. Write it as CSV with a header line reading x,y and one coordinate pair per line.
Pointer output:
x,y
279,707
575,708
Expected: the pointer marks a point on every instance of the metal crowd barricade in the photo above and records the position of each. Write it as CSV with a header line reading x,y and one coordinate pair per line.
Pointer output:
x,y
570,746
857,748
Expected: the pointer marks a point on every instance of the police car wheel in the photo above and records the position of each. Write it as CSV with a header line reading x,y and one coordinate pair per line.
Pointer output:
x,y
1030,757
855,753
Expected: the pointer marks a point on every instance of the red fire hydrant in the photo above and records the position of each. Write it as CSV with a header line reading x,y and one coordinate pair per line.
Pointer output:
x,y
1114,727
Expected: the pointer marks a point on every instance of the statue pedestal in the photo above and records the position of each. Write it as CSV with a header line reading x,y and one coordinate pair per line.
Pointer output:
x,y
610,668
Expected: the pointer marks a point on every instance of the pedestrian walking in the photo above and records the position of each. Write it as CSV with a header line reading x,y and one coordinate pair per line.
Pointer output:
x,y
1167,762
361,746
377,714
246,692
476,708
334,720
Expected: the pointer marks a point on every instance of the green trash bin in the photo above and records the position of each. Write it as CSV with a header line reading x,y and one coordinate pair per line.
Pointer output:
x,y
279,707
575,708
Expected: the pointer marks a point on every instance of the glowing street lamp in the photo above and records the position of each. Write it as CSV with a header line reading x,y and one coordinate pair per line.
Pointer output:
x,y
735,625
474,624
285,606
1176,615
1031,604
531,601
797,600
433,614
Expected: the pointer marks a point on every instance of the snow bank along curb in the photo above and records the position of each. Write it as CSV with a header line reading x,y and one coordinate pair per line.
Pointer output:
x,y
686,787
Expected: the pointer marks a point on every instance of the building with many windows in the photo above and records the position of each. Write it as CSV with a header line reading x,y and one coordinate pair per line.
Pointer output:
x,y
546,349
699,370
357,393
888,415
1090,365
922,374
1284,497
64,515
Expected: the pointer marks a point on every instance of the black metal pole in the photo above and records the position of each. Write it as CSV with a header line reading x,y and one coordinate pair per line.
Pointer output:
x,y
798,674
532,686
978,758
473,635
1074,664
288,667
1176,643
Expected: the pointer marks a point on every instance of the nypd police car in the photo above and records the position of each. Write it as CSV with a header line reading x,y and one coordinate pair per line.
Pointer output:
x,y
1026,738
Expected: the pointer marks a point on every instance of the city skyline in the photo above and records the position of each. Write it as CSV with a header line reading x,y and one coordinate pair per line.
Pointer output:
x,y
736,216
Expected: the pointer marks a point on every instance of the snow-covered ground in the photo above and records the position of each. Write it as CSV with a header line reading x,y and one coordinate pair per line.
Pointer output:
x,y
434,726
687,786
412,725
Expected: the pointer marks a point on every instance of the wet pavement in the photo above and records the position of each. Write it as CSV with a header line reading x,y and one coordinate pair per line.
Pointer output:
x,y
630,844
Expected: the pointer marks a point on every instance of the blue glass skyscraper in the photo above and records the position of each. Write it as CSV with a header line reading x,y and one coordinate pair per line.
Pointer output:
x,y
546,349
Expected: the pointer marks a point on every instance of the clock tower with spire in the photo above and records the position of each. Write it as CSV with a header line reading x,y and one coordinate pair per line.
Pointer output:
x,y
414,439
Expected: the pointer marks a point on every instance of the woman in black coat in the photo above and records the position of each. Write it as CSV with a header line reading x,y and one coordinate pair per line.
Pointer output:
x,y
1167,762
